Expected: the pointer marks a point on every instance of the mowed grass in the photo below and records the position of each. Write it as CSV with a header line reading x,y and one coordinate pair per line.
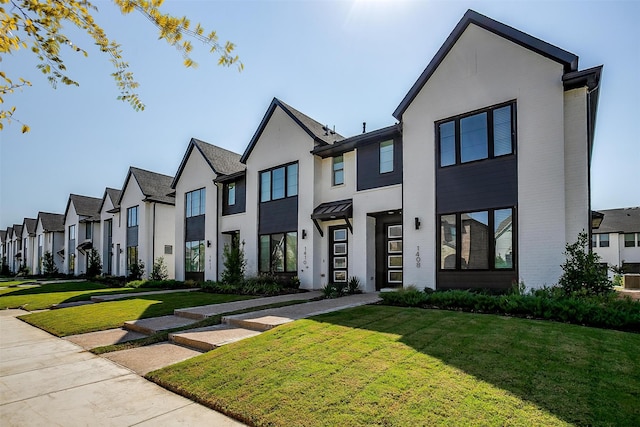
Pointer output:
x,y
393,366
47,295
113,314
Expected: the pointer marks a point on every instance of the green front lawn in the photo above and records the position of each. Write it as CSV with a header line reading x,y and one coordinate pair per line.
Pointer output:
x,y
113,314
45,296
378,365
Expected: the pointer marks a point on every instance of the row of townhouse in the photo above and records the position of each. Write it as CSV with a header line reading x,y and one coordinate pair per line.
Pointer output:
x,y
617,238
481,183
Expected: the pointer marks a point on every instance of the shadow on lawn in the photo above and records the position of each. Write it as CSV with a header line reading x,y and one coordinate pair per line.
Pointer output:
x,y
584,376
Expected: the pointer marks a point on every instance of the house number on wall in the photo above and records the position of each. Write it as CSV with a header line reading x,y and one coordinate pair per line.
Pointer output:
x,y
305,256
418,257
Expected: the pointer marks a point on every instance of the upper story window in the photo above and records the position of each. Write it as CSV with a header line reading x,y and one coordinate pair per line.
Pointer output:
x,y
231,193
338,170
88,230
194,203
40,240
132,217
386,156
279,183
604,240
630,240
72,232
481,135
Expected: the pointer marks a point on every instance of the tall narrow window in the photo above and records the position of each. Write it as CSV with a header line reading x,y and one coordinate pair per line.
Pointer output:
x,y
277,184
338,170
265,186
292,180
231,193
503,238
194,256
629,240
386,156
475,241
278,252
72,232
88,230
502,131
604,240
448,245
447,143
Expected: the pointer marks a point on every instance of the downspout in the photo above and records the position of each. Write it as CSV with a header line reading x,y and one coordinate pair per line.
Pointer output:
x,y
153,239
590,137
217,230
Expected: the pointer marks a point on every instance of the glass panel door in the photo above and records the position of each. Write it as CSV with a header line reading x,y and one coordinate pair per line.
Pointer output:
x,y
394,255
338,255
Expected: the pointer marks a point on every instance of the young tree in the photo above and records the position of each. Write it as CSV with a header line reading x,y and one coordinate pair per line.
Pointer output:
x,y
48,264
38,25
159,271
583,272
234,263
94,265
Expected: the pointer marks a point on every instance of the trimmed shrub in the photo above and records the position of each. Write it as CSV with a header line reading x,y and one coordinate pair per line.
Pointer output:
x,y
583,274
159,271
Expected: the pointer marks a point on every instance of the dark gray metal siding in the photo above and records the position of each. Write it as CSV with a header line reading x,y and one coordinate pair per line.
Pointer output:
x,y
278,216
194,228
477,279
368,159
132,236
241,199
477,186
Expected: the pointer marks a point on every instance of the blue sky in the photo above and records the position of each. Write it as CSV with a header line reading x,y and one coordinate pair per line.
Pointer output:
x,y
340,62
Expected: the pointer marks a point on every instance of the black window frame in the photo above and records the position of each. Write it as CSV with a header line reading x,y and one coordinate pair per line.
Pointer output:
x,y
188,206
287,185
88,230
632,243
230,188
390,143
334,170
490,134
607,241
491,247
284,250
130,216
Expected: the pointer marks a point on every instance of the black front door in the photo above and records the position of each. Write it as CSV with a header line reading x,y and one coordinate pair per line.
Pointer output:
x,y
338,254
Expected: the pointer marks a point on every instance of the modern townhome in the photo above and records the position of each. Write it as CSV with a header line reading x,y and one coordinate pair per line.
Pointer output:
x,y
148,231
49,238
617,239
6,247
111,226
201,206
81,231
29,254
3,247
14,237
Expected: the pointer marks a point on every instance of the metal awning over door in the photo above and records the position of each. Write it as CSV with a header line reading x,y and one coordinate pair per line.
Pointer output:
x,y
341,209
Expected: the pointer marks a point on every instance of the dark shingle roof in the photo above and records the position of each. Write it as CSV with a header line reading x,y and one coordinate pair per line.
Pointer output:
x,y
221,161
51,222
114,195
86,206
154,186
317,131
30,223
625,220
9,233
3,235
17,230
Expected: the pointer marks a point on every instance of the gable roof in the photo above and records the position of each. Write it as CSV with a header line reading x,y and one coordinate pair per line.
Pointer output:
x,y
353,142
30,224
114,195
17,230
320,133
623,220
3,235
85,206
9,234
51,221
221,161
154,186
567,59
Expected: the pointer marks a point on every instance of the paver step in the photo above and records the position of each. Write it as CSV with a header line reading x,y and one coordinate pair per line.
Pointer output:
x,y
155,324
211,337
70,304
205,311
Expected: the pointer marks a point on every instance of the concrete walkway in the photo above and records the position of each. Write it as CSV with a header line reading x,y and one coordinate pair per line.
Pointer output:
x,y
48,381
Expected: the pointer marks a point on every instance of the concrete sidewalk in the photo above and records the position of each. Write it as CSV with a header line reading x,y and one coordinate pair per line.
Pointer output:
x,y
48,381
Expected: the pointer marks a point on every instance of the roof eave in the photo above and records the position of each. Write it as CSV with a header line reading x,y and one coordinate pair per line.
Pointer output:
x,y
349,144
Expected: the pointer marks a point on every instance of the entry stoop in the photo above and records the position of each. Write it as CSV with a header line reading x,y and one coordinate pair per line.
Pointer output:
x,y
211,337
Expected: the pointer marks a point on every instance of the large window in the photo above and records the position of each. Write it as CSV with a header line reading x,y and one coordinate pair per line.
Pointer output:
x,y
630,240
72,232
132,256
604,240
132,217
279,183
482,240
279,252
338,170
386,156
480,135
194,203
194,256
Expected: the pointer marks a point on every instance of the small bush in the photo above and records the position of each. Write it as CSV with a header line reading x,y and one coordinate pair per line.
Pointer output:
x,y
136,270
48,264
583,274
353,286
234,263
94,265
160,284
334,290
112,281
260,285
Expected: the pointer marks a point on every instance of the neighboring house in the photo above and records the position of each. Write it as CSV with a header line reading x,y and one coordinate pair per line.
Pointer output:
x,y
3,248
50,238
29,249
81,232
111,225
15,248
199,208
8,250
148,220
617,239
